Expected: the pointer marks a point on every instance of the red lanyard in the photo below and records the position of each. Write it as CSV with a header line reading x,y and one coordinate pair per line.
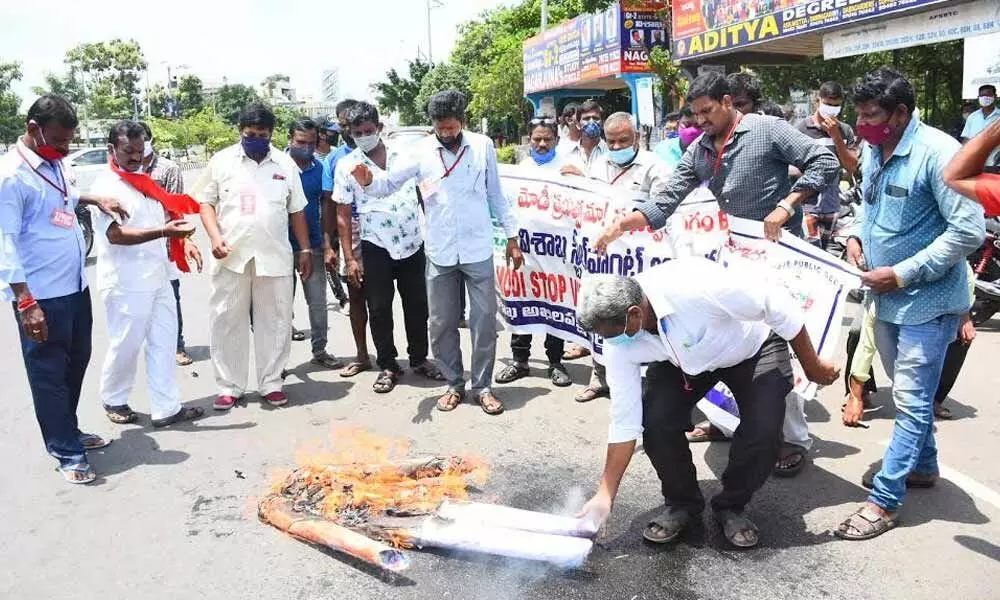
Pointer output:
x,y
62,190
729,136
448,171
619,176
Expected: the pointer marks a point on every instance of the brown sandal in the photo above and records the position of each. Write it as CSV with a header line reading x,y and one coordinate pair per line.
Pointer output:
x,y
354,368
490,404
450,401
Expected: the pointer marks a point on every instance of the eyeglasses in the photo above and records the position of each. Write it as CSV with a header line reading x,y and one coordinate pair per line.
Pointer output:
x,y
542,121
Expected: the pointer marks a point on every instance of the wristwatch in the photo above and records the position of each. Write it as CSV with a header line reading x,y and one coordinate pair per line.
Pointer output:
x,y
785,204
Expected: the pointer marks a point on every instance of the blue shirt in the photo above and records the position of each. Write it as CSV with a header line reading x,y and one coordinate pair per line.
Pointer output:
x,y
312,187
670,151
49,258
975,125
330,165
918,226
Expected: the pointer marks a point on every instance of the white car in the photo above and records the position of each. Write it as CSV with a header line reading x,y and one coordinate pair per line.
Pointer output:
x,y
86,164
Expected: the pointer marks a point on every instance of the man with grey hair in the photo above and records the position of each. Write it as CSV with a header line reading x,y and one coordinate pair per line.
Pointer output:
x,y
695,323
638,171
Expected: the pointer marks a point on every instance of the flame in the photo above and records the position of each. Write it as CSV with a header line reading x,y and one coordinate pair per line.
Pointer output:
x,y
358,477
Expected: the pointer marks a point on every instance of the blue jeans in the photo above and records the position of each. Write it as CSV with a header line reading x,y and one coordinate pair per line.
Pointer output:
x,y
55,372
913,356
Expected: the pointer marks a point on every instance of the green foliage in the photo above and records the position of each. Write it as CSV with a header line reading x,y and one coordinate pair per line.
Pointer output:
x,y
231,99
204,128
69,85
446,76
669,78
190,95
157,96
111,71
284,118
11,121
271,83
508,154
399,94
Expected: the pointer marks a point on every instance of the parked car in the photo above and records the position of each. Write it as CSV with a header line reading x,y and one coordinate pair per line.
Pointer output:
x,y
407,136
86,164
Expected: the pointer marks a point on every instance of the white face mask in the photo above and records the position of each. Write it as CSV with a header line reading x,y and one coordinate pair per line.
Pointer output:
x,y
147,150
828,111
986,101
367,143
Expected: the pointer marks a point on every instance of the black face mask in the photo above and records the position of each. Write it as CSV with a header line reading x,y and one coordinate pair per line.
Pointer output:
x,y
450,143
348,139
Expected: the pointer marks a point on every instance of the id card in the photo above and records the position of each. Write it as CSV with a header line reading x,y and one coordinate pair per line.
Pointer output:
x,y
62,218
248,203
429,188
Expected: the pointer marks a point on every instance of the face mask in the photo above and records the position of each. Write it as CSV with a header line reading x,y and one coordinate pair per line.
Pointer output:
x,y
255,147
876,135
449,142
828,111
689,135
624,156
542,158
302,153
367,143
671,135
623,340
986,101
592,129
49,153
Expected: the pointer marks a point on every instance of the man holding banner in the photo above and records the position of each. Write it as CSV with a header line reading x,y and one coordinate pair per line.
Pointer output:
x,y
695,323
744,161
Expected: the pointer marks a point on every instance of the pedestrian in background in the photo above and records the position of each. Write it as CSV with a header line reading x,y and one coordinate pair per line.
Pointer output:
x,y
914,240
578,157
250,193
42,273
134,259
456,171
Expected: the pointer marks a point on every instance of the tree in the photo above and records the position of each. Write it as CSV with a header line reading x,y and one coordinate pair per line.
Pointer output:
x,y
399,94
11,121
284,117
273,82
68,85
111,70
446,76
231,99
157,97
190,95
670,78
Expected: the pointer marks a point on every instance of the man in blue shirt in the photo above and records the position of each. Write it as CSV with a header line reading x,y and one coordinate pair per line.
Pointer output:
x,y
915,236
358,310
980,119
42,273
302,136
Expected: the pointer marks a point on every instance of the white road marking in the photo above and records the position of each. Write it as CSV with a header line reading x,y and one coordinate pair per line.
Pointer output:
x,y
966,484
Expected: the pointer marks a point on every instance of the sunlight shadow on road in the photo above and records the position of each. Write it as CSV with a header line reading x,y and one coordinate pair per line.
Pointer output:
x,y
979,546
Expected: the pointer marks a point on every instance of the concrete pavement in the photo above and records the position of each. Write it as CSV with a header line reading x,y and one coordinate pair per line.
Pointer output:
x,y
173,513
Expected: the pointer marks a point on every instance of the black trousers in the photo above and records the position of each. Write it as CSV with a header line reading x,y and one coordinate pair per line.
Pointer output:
x,y
759,385
520,346
381,270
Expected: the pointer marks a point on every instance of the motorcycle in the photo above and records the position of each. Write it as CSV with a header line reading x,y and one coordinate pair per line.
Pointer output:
x,y
86,225
986,266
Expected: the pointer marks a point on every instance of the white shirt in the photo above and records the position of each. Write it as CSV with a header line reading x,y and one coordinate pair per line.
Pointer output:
x,y
574,154
646,175
553,165
710,317
253,202
458,207
139,268
391,223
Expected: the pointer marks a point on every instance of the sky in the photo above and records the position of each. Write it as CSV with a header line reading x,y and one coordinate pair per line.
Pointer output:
x,y
244,40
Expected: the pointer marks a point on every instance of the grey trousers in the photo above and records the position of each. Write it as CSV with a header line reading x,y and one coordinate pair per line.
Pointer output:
x,y
314,289
444,284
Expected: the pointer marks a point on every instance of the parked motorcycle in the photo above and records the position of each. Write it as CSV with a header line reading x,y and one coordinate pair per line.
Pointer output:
x,y
986,265
86,225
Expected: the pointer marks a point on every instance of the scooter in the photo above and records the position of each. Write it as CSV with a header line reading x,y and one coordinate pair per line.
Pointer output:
x,y
986,266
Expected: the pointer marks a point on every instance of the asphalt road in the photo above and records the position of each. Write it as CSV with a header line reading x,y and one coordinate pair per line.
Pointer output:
x,y
173,513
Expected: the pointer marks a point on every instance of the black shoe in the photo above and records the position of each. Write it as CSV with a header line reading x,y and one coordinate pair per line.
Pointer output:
x,y
559,376
512,374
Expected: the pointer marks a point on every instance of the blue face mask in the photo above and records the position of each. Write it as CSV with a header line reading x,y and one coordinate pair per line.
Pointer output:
x,y
623,156
255,147
542,158
672,134
592,129
300,153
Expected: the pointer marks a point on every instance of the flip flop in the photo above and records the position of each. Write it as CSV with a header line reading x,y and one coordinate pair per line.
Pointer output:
x,y
708,433
789,451
386,382
354,368
84,469
93,441
575,353
590,393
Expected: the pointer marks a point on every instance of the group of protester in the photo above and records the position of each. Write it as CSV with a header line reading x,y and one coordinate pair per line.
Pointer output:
x,y
424,220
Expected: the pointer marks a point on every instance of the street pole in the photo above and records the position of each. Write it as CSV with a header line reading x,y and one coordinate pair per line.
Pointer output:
x,y
149,110
430,51
545,15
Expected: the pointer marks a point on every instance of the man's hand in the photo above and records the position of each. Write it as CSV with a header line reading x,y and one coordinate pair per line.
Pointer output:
x,y
178,229
774,222
33,322
831,126
330,259
514,255
855,255
111,207
304,264
822,372
571,170
597,510
854,409
355,273
362,174
966,331
610,234
882,280
220,248
193,254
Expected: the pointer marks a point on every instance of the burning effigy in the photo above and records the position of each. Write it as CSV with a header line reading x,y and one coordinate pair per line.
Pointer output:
x,y
369,499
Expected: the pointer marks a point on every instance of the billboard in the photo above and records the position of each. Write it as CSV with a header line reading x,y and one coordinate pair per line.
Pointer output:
x,y
705,27
641,31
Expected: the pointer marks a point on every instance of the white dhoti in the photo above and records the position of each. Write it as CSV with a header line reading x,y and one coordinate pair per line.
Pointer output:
x,y
134,319
232,296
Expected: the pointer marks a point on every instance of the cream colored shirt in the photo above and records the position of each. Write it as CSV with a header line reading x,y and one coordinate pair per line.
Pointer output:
x,y
572,153
253,202
647,175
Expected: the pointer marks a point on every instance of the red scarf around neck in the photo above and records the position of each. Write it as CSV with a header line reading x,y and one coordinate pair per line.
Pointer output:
x,y
176,205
